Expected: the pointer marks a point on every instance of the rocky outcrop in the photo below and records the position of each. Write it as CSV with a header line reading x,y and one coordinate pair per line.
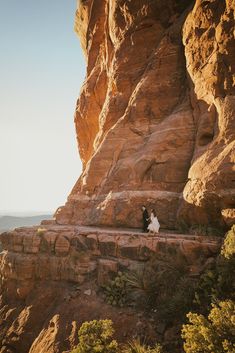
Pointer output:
x,y
71,253
210,57
50,278
155,118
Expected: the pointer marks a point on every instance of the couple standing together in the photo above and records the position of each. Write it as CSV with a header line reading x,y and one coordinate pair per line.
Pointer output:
x,y
150,224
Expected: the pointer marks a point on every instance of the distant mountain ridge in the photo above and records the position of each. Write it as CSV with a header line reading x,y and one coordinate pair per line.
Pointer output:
x,y
10,222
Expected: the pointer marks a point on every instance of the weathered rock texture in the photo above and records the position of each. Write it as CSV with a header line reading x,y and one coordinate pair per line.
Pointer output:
x,y
70,253
155,126
48,275
155,118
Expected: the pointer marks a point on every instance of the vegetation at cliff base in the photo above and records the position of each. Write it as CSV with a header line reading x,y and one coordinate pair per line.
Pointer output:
x,y
96,336
116,292
228,248
164,286
202,305
216,290
217,282
215,334
135,346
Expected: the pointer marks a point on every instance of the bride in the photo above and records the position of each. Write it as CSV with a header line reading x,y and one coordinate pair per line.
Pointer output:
x,y
154,224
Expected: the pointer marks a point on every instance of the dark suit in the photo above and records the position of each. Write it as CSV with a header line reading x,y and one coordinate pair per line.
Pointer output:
x,y
145,220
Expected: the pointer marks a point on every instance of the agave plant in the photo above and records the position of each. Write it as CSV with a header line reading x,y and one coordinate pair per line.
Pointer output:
x,y
156,280
136,347
116,290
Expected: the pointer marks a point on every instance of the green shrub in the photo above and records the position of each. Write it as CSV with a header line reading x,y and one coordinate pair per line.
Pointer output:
x,y
41,231
116,292
159,275
136,347
142,286
164,286
176,303
215,334
96,337
228,248
218,282
206,290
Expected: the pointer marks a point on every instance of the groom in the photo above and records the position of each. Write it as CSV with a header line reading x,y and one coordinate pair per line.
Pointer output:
x,y
145,219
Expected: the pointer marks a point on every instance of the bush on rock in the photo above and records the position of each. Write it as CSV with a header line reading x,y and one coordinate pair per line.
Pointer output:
x,y
96,337
228,249
215,334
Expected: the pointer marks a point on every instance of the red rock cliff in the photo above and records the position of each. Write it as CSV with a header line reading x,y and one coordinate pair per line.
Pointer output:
x,y
51,281
155,118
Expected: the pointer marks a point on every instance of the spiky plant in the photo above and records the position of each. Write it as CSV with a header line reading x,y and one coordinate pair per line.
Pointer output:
x,y
156,281
135,346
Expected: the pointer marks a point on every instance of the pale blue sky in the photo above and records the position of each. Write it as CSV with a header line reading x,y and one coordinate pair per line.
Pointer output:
x,y
41,72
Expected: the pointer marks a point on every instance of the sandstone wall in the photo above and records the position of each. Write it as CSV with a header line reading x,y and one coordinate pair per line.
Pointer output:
x,y
70,253
155,118
50,281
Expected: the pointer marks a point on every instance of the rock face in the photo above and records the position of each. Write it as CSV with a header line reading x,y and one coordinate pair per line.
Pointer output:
x,y
72,253
155,118
49,278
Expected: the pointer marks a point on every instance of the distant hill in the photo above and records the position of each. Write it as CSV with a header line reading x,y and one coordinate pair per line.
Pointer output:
x,y
10,222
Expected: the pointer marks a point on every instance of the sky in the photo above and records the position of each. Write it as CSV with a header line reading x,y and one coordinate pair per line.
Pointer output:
x,y
41,72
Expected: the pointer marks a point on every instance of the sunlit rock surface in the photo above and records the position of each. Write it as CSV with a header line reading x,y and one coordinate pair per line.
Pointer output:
x,y
155,118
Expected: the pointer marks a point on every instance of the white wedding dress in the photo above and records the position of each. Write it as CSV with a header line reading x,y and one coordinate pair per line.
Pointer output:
x,y
154,225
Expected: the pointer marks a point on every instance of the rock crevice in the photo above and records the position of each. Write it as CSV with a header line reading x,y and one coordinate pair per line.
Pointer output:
x,y
156,112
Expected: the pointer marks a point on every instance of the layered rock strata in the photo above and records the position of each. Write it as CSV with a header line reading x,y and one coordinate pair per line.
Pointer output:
x,y
73,253
155,118
47,274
